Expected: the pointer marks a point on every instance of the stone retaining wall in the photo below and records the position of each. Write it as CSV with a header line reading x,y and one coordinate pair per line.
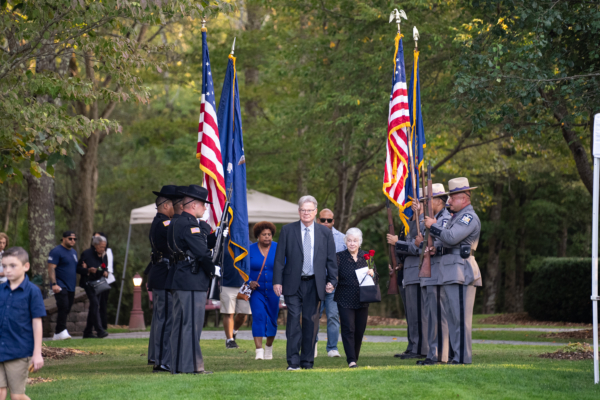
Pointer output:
x,y
76,319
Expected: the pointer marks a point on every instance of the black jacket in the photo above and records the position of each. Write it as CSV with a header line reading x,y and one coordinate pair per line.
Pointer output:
x,y
159,268
347,292
92,260
289,258
188,236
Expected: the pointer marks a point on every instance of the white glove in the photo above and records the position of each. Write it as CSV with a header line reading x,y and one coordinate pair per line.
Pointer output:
x,y
226,232
217,271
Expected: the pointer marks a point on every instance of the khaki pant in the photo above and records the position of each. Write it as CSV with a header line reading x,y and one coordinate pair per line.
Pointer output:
x,y
14,374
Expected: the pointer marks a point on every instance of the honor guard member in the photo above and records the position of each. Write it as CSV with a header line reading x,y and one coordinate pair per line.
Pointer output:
x,y
190,281
416,318
460,271
160,330
177,200
437,324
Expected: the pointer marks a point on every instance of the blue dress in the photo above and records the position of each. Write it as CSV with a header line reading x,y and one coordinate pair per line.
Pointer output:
x,y
263,302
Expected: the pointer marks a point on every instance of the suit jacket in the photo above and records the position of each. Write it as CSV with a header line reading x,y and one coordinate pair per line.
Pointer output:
x,y
289,259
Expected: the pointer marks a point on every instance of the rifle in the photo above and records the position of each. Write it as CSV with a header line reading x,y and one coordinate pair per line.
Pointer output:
x,y
425,266
393,283
219,249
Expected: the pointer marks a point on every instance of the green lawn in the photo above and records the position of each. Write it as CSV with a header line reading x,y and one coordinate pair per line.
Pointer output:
x,y
499,372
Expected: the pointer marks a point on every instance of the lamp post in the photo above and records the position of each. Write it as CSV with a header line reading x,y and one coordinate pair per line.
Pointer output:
x,y
136,319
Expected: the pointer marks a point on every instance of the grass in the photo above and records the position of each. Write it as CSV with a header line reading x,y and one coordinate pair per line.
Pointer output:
x,y
499,372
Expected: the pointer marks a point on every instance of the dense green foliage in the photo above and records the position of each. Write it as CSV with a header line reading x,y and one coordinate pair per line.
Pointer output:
x,y
560,291
118,370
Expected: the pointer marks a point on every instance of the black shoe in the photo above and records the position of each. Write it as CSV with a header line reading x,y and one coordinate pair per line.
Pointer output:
x,y
89,336
420,362
102,334
428,361
307,367
410,356
454,362
402,354
202,373
161,368
151,362
231,344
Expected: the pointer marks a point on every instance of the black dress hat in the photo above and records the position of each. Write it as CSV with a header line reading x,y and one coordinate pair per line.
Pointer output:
x,y
180,192
168,191
197,192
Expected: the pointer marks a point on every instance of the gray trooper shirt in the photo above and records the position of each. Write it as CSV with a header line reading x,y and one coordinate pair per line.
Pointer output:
x,y
463,229
443,218
412,252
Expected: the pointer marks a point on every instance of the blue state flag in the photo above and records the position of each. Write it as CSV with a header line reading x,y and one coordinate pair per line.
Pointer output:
x,y
229,119
417,134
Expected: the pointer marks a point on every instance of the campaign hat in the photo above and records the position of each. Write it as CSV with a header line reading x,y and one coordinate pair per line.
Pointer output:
x,y
459,185
168,191
197,192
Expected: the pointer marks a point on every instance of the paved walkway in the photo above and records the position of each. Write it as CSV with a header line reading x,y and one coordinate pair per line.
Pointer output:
x,y
497,329
247,335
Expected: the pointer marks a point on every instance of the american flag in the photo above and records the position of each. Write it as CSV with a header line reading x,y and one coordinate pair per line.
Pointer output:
x,y
396,160
209,146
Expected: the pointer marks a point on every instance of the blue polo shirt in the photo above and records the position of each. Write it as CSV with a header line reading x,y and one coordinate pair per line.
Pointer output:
x,y
66,267
17,309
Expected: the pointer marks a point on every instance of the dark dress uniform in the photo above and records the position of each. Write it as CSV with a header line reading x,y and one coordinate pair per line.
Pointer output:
x,y
461,276
189,240
162,313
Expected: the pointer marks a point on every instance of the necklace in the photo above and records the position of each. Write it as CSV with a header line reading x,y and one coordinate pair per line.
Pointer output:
x,y
262,252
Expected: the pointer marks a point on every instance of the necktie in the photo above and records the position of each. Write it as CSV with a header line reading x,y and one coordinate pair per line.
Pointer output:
x,y
307,258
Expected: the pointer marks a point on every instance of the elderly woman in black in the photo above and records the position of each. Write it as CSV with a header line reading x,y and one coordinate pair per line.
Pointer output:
x,y
353,313
92,266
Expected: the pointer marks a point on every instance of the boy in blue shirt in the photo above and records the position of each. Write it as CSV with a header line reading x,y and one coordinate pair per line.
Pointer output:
x,y
21,312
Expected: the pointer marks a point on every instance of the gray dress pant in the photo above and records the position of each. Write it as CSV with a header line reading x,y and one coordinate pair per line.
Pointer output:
x,y
417,318
151,346
437,326
188,320
458,301
302,305
160,331
403,295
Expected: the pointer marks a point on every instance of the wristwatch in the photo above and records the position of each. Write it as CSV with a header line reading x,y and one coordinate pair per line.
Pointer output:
x,y
54,284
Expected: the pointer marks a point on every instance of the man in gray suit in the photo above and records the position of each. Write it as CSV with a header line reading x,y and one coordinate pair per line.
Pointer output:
x,y
305,269
460,271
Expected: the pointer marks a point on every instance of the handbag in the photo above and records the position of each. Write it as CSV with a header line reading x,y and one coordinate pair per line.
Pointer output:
x,y
100,285
245,291
369,294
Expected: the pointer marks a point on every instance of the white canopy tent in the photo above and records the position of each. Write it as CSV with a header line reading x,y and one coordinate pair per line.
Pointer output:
x,y
261,207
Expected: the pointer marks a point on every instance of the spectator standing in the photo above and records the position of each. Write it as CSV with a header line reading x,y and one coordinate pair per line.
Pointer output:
x,y
20,325
3,245
329,305
263,302
91,267
353,313
62,272
110,279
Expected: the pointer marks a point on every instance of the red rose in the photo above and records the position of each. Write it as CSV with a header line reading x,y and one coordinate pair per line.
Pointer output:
x,y
103,266
366,257
372,253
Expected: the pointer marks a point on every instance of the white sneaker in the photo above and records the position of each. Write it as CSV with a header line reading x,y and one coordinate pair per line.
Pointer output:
x,y
260,354
62,335
316,349
333,353
268,352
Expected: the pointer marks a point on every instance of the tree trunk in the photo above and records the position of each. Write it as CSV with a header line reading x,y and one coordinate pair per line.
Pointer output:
x,y
41,222
8,208
492,274
86,182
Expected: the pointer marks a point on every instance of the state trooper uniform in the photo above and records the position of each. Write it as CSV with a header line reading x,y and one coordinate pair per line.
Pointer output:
x,y
191,280
178,197
460,272
160,331
414,298
437,324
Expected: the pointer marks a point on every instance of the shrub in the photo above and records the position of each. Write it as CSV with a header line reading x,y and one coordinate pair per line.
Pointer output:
x,y
561,290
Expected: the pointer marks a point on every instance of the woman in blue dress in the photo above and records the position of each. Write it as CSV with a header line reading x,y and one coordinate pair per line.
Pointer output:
x,y
263,302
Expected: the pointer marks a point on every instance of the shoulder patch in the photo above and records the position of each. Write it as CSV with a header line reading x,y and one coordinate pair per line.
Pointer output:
x,y
166,223
195,230
444,223
466,219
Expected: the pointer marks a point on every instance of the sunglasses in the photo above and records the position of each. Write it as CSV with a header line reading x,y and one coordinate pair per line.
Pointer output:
x,y
72,238
328,220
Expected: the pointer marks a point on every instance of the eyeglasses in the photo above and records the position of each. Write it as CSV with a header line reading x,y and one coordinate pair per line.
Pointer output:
x,y
72,238
328,220
306,211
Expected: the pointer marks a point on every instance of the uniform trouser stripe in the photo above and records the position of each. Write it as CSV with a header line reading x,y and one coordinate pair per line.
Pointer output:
x,y
179,343
162,331
439,324
461,303
420,322
193,331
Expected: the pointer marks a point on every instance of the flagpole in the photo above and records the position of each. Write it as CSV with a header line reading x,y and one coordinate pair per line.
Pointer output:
x,y
416,180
